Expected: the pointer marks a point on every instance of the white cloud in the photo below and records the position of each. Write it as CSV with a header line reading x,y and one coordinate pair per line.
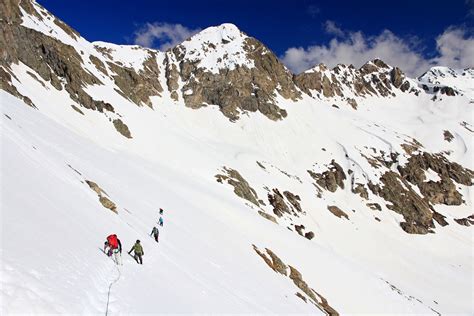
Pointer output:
x,y
454,49
162,35
332,28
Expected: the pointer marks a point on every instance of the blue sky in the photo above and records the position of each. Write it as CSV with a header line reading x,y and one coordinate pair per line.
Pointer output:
x,y
300,31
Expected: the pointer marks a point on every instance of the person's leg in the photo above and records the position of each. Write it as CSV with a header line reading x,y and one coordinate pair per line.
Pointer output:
x,y
135,256
118,257
140,257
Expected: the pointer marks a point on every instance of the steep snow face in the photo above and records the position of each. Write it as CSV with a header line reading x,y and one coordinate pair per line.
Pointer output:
x,y
131,56
43,21
49,153
217,47
205,261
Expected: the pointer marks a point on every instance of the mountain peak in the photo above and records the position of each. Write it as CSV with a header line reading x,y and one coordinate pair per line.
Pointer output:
x,y
220,34
216,47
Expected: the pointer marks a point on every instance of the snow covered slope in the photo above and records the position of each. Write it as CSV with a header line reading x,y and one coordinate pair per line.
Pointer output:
x,y
301,204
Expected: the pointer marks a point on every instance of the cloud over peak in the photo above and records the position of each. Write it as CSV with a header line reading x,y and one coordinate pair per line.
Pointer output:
x,y
455,48
162,35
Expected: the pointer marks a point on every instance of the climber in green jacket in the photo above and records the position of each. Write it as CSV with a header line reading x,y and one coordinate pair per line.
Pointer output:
x,y
138,252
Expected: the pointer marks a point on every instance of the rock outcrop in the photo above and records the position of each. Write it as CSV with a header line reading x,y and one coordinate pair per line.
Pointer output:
x,y
443,191
286,203
103,199
467,221
375,78
277,265
337,212
331,179
122,128
416,211
241,186
277,201
51,59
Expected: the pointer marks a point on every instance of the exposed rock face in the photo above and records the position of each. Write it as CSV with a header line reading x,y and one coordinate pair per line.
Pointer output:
x,y
300,230
337,211
448,136
105,201
468,221
301,296
138,86
219,66
54,61
62,65
241,186
281,207
331,179
437,192
396,77
359,188
75,108
415,208
277,201
277,265
294,200
318,79
374,206
274,262
448,91
297,278
375,78
441,192
440,219
416,211
95,187
5,84
250,87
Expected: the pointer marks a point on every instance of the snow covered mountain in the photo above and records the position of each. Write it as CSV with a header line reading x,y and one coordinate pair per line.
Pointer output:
x,y
332,191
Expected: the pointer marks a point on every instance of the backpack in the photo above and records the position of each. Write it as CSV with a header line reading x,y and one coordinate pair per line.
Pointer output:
x,y
112,241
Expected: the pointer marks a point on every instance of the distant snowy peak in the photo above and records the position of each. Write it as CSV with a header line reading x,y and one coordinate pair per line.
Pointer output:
x,y
439,74
217,47
223,66
449,81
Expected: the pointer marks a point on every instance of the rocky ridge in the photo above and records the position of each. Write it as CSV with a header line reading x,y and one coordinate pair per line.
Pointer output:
x,y
219,66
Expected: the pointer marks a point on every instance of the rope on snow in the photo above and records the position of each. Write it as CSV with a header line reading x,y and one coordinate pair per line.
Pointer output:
x,y
110,287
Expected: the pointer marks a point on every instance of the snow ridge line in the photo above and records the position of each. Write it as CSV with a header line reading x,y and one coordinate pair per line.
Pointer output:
x,y
110,287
